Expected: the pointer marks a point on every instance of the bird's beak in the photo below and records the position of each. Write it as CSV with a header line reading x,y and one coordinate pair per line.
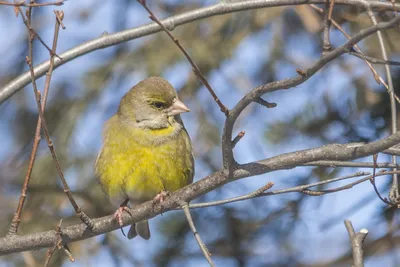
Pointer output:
x,y
176,108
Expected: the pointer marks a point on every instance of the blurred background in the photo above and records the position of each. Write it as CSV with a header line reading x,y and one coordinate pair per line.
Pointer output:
x,y
236,52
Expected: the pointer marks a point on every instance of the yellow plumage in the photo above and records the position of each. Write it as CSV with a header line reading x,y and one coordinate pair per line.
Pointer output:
x,y
131,165
139,159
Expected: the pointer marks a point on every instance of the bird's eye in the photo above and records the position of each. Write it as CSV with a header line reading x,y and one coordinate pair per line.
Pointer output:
x,y
158,104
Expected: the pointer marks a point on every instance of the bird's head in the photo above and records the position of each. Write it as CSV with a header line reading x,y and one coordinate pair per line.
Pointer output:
x,y
152,103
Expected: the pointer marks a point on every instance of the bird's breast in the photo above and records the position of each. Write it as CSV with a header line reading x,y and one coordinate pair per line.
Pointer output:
x,y
132,165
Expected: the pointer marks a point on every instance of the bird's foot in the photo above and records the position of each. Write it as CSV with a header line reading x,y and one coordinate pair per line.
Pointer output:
x,y
160,198
118,213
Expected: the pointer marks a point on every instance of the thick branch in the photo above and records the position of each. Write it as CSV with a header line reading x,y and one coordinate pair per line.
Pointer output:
x,y
107,40
149,210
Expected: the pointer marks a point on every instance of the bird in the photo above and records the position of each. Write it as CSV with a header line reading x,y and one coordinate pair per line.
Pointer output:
x,y
146,149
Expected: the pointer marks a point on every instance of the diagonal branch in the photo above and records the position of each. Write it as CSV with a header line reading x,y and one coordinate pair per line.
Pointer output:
x,y
201,244
17,215
375,60
149,210
227,149
80,214
394,194
222,7
195,68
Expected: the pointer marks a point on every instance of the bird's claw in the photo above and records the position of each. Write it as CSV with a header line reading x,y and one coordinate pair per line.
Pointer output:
x,y
160,197
118,214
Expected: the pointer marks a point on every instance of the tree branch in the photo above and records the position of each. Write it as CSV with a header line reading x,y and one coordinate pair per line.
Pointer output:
x,y
227,149
357,240
394,194
17,215
107,40
196,234
22,3
195,68
149,210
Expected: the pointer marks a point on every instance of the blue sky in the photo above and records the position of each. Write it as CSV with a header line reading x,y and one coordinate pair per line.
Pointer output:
x,y
311,240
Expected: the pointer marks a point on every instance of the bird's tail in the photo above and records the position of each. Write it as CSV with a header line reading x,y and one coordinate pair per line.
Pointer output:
x,y
141,228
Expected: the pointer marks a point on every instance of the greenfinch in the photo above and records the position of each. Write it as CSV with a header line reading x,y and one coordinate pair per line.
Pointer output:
x,y
146,149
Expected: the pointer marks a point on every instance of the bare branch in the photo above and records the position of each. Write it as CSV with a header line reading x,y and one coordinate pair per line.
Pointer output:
x,y
238,137
228,158
332,4
67,252
394,194
254,194
22,3
32,34
297,189
352,164
374,60
147,210
17,215
323,155
357,240
201,244
347,186
220,8
51,250
326,46
196,69
264,103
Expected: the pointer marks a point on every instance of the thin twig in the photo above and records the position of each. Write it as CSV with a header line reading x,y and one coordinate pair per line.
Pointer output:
x,y
29,60
228,157
377,77
261,192
201,244
357,240
60,16
196,69
356,47
326,45
51,250
374,60
299,189
22,3
13,229
394,5
238,137
67,252
32,33
17,215
372,180
253,194
332,4
348,186
351,164
220,8
264,103
394,193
